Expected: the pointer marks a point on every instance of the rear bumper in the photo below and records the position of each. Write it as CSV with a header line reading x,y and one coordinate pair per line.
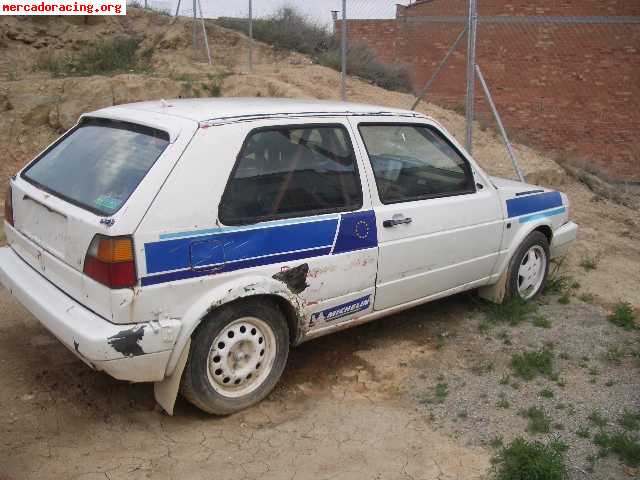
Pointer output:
x,y
137,353
563,237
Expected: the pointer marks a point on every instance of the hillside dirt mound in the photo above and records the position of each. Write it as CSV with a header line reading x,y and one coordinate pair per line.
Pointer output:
x,y
35,108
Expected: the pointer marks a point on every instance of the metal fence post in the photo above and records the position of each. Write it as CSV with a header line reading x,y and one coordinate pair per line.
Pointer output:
x,y
250,35
471,61
440,66
204,33
343,53
503,132
177,11
195,26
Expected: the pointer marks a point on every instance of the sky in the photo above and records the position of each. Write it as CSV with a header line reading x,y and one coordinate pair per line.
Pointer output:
x,y
317,10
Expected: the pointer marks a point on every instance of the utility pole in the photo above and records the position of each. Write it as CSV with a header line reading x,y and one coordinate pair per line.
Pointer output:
x,y
471,73
343,53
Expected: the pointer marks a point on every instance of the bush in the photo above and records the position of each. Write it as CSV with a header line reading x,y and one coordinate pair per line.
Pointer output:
x,y
523,460
289,30
286,29
539,422
623,444
623,316
362,62
114,55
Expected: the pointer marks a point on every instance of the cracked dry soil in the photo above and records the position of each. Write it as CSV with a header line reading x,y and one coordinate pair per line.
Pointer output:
x,y
348,407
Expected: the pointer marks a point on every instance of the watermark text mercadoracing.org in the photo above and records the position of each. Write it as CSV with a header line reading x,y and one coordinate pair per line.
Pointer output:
x,y
63,7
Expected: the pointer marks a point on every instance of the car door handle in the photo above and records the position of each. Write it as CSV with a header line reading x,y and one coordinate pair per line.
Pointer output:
x,y
394,222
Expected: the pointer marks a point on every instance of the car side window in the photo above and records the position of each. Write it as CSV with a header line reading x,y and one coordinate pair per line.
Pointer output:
x,y
285,172
414,162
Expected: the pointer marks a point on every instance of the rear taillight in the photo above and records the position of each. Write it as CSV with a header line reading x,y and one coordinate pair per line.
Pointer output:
x,y
8,205
110,261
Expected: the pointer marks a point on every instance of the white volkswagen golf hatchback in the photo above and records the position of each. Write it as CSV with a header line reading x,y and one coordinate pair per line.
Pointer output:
x,y
191,243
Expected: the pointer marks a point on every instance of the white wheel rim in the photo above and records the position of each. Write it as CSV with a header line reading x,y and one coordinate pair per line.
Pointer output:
x,y
241,357
531,273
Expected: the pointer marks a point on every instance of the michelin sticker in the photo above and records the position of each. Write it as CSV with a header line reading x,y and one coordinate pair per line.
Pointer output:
x,y
333,313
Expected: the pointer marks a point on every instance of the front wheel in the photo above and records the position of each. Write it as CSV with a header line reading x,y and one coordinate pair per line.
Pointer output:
x,y
237,356
529,267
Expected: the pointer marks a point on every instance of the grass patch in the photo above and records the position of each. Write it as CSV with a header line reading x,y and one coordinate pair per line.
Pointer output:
x,y
539,422
288,29
483,368
587,297
496,442
529,365
505,337
597,419
513,311
623,444
541,321
589,263
114,55
557,284
565,299
583,432
630,420
615,355
440,393
546,393
623,316
522,460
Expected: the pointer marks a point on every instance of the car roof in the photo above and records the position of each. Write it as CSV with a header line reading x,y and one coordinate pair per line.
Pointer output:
x,y
225,109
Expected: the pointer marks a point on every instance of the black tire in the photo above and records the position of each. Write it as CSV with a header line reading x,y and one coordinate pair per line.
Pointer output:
x,y
197,387
533,239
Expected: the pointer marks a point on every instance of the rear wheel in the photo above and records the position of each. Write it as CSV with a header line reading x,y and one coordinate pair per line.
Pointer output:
x,y
529,267
237,356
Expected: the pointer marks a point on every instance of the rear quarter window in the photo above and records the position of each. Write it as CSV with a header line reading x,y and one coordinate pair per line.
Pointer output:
x,y
99,164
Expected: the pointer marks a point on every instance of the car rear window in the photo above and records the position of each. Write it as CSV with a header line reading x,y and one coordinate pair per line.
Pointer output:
x,y
99,164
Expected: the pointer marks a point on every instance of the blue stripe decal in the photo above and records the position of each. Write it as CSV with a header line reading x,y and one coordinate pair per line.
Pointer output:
x,y
533,203
238,245
229,267
211,251
538,216
357,231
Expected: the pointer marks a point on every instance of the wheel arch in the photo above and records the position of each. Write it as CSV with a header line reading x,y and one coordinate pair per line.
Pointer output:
x,y
545,230
239,290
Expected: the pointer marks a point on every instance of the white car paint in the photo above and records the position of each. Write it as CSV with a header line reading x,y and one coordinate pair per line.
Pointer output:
x,y
452,244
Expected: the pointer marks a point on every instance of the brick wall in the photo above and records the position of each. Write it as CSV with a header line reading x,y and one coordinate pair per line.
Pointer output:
x,y
571,90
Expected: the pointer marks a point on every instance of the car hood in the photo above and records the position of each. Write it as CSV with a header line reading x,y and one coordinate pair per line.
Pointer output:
x,y
509,188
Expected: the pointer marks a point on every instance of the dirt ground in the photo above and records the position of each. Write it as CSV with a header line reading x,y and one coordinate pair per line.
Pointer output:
x,y
356,404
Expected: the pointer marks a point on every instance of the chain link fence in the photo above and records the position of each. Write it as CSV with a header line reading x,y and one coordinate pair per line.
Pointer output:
x,y
566,84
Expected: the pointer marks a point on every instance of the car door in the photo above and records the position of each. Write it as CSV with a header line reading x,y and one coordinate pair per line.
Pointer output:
x,y
439,221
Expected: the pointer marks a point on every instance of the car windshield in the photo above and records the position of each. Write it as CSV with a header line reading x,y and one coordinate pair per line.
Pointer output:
x,y
99,164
